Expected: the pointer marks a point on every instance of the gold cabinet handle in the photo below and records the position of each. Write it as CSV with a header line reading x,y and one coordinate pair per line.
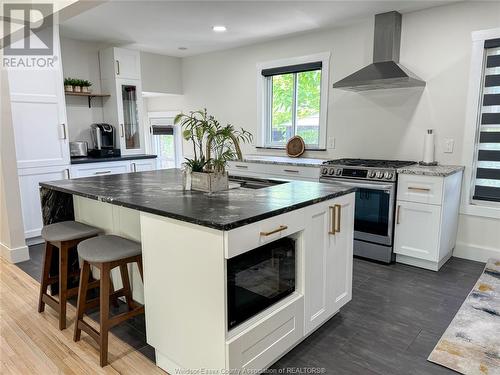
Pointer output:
x,y
338,207
122,130
426,190
279,229
290,170
117,67
332,220
397,214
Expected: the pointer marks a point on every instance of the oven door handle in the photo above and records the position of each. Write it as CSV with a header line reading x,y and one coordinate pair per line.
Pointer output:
x,y
375,186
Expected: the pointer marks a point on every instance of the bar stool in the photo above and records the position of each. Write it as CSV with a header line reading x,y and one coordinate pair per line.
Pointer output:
x,y
106,252
65,236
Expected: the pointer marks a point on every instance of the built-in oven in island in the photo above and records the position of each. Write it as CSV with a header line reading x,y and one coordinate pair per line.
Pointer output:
x,y
259,278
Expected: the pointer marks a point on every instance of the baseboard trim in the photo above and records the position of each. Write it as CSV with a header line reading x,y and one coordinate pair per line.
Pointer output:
x,y
477,253
19,254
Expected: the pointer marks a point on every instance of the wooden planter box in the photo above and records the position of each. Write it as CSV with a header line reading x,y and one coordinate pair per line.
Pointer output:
x,y
209,182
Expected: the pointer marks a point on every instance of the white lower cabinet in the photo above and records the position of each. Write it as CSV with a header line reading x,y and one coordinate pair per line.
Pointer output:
x,y
112,167
98,169
417,232
143,165
282,171
259,346
426,219
29,179
328,259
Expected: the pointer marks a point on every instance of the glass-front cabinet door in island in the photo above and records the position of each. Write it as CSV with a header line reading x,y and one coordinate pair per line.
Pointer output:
x,y
130,117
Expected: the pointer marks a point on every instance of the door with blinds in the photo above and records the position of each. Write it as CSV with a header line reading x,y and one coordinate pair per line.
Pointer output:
x,y
487,171
164,142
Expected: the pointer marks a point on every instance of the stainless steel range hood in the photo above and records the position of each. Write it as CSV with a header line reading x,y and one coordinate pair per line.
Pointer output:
x,y
385,72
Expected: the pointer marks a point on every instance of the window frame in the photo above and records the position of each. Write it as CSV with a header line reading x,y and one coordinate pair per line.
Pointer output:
x,y
264,94
177,136
469,205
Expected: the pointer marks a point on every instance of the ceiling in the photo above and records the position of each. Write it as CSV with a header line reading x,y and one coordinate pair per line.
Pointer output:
x,y
164,26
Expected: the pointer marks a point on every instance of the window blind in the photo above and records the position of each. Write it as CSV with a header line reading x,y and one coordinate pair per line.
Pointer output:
x,y
162,126
487,183
306,67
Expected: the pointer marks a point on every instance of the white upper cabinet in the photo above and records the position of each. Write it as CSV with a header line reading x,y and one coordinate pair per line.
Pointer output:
x,y
120,63
120,77
39,114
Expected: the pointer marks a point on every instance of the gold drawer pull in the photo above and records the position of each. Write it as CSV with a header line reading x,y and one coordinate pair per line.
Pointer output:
x,y
291,170
281,228
397,214
338,207
332,220
426,190
242,166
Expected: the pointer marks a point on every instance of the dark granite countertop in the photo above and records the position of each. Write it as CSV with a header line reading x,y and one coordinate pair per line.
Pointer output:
x,y
89,159
160,192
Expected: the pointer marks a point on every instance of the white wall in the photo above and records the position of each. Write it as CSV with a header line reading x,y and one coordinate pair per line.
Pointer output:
x,y
161,74
80,60
436,45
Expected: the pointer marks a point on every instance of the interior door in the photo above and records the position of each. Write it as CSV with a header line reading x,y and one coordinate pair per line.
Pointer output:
x,y
130,116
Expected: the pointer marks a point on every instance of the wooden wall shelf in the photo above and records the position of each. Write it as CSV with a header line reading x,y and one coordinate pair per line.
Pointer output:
x,y
89,95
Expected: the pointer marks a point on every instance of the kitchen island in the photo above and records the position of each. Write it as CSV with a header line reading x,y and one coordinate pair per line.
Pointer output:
x,y
233,279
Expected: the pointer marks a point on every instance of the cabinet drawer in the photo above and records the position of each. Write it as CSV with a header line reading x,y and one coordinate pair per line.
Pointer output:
x,y
273,170
293,172
420,189
97,170
258,346
241,168
251,236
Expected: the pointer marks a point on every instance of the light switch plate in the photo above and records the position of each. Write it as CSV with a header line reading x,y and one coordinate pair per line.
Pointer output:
x,y
331,143
448,145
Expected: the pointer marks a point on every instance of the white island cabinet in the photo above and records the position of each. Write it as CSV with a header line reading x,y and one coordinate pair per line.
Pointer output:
x,y
232,280
186,294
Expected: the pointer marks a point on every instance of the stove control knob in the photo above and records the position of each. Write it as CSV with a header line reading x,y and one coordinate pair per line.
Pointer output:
x,y
371,174
379,174
388,175
324,170
331,172
338,172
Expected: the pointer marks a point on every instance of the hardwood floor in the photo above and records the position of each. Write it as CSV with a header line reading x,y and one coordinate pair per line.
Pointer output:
x,y
31,343
397,315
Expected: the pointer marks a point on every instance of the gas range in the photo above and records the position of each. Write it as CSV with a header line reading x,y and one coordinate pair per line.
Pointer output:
x,y
374,209
363,169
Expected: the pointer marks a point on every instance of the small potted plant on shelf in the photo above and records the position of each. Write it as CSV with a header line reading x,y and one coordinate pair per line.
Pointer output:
x,y
213,145
77,85
85,86
68,84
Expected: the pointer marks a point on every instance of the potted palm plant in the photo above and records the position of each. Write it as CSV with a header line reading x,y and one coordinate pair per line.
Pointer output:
x,y
213,145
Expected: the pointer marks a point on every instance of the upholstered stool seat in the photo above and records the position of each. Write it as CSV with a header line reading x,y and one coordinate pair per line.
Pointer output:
x,y
61,240
67,231
105,253
107,249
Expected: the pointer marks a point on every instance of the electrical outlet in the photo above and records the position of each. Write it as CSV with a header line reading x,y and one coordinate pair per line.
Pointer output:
x,y
331,143
448,145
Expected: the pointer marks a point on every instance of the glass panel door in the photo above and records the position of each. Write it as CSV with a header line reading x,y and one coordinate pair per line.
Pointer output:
x,y
131,117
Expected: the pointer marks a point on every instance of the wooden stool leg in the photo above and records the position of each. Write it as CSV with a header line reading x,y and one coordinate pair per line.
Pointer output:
x,y
82,298
114,299
126,286
47,259
63,284
104,313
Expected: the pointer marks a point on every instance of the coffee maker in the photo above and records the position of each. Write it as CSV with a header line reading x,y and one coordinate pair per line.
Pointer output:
x,y
103,138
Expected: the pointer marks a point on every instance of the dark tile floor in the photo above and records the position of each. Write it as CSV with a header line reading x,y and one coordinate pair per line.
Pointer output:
x,y
396,316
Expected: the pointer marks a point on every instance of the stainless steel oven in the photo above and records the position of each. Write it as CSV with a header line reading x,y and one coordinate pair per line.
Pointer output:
x,y
374,209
